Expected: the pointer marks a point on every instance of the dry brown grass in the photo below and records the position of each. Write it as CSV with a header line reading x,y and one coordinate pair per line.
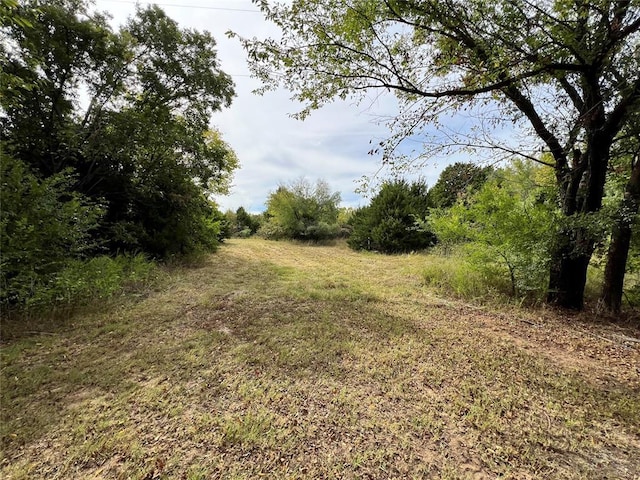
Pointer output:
x,y
278,360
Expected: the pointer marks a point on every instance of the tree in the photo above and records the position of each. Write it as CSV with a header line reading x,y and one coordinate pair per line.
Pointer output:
x,y
388,224
42,226
140,143
632,289
8,14
302,211
245,222
506,223
621,234
455,181
569,73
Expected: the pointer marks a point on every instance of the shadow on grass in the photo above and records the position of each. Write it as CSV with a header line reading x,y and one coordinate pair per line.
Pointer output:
x,y
48,360
240,334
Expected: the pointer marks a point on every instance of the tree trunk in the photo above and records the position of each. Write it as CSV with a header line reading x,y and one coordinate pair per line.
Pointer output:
x,y
616,264
618,252
569,276
582,194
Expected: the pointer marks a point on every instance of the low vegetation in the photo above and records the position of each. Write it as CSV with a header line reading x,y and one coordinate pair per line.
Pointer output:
x,y
284,360
106,144
505,228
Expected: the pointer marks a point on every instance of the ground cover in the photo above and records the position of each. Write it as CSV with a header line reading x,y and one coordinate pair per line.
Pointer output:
x,y
280,360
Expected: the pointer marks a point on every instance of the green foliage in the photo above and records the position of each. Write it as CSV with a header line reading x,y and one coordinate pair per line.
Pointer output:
x,y
632,280
445,57
507,226
302,211
176,218
453,274
226,225
45,235
272,231
96,278
456,272
345,215
42,226
244,233
622,202
142,147
217,225
388,224
247,224
8,14
130,169
457,181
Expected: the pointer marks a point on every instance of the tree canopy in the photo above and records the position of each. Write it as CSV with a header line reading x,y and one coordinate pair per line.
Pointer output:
x,y
302,211
105,137
125,113
389,223
455,181
564,72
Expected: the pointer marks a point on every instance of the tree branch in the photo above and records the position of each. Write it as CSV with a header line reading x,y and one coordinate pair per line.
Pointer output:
x,y
619,114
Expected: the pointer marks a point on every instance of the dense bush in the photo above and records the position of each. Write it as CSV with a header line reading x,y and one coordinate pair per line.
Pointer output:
x,y
302,211
388,224
96,278
45,236
507,226
247,221
42,226
179,220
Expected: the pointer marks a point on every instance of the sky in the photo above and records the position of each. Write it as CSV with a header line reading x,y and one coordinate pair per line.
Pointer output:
x,y
274,149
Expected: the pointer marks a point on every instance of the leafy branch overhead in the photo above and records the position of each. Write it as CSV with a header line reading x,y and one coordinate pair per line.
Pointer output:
x,y
450,53
564,72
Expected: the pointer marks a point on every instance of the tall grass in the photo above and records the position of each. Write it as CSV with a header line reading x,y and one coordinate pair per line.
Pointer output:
x,y
80,282
453,274
456,272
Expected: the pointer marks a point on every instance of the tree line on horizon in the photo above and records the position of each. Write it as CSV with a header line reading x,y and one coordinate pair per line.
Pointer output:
x,y
499,221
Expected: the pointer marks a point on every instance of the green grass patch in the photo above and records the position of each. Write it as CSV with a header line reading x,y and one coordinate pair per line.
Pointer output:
x,y
457,273
283,360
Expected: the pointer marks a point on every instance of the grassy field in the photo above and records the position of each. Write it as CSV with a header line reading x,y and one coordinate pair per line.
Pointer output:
x,y
275,360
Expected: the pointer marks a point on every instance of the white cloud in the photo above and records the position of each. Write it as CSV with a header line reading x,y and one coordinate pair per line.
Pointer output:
x,y
332,143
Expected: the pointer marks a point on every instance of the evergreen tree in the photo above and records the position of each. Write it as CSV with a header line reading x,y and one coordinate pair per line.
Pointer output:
x,y
389,223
